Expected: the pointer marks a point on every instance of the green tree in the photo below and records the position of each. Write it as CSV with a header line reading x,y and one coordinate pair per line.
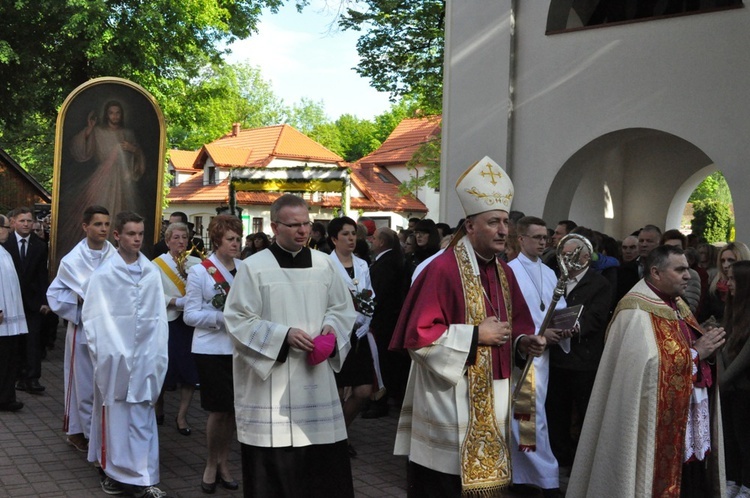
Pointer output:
x,y
427,156
401,48
713,187
356,136
712,219
49,47
204,108
306,115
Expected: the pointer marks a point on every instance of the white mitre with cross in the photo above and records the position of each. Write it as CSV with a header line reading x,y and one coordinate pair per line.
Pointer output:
x,y
485,186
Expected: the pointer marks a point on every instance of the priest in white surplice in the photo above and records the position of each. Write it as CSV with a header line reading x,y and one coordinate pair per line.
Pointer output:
x,y
533,461
291,316
463,321
12,323
125,322
653,428
65,297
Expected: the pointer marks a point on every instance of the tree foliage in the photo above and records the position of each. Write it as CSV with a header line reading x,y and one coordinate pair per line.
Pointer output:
x,y
713,220
204,108
714,187
49,47
427,161
401,48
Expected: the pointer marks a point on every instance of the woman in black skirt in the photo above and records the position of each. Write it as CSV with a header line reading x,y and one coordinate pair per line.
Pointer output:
x,y
357,374
208,285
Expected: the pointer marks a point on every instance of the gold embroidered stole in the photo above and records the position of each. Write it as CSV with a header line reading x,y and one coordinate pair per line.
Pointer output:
x,y
524,410
673,389
485,460
171,275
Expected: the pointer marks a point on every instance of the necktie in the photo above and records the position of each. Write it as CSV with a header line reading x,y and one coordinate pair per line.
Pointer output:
x,y
23,250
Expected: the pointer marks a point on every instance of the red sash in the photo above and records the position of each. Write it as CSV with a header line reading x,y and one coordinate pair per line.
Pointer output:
x,y
216,274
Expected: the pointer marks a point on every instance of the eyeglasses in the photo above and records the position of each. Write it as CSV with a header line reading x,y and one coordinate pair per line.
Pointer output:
x,y
538,238
296,226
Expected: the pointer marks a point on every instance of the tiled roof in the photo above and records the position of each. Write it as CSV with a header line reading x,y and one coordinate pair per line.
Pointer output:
x,y
225,157
380,188
379,195
257,147
192,191
183,160
280,141
404,141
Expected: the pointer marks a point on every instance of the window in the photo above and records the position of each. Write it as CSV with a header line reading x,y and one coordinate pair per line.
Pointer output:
x,y
257,225
211,175
565,15
384,178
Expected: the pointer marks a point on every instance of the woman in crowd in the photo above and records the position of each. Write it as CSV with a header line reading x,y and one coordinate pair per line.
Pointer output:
x,y
428,243
735,380
717,291
356,376
181,369
208,285
260,242
708,257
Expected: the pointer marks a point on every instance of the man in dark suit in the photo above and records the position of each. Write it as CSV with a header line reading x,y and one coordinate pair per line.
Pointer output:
x,y
572,375
29,254
649,237
386,274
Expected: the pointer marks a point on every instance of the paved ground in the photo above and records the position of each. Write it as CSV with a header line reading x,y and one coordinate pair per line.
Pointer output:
x,y
36,461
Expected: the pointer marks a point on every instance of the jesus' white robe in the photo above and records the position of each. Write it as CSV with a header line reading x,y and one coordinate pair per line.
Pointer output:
x,y
125,321
65,297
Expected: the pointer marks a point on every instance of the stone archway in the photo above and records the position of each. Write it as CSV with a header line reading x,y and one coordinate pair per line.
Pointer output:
x,y
625,179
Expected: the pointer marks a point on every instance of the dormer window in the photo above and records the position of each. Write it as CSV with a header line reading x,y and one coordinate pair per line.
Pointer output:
x,y
211,175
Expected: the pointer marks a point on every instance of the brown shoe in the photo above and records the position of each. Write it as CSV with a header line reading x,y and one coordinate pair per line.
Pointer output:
x,y
79,442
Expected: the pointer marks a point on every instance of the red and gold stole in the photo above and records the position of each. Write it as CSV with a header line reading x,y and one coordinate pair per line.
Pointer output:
x,y
485,460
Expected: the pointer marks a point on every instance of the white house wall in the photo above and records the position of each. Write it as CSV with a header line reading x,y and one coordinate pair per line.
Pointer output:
x,y
683,78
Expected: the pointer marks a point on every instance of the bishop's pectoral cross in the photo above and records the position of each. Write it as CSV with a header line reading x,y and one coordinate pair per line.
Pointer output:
x,y
492,174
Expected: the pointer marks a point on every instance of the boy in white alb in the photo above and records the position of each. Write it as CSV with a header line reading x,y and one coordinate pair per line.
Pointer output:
x,y
125,321
65,297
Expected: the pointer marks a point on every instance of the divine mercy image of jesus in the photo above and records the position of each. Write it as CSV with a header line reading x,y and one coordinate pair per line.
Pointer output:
x,y
110,156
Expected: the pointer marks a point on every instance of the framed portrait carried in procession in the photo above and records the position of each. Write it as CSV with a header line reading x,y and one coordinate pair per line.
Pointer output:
x,y
109,151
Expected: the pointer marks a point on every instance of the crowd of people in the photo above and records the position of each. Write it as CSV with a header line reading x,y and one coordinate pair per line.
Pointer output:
x,y
290,338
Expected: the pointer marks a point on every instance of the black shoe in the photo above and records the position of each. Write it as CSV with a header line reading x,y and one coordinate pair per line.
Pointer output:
x,y
208,487
13,406
34,387
230,485
184,431
21,385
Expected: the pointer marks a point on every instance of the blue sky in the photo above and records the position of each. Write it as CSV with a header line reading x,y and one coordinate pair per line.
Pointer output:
x,y
302,56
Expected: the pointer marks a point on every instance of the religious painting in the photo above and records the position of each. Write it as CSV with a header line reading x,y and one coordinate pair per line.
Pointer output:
x,y
109,151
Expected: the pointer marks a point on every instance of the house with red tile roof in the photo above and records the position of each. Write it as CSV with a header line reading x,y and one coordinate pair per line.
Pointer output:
x,y
399,148
263,163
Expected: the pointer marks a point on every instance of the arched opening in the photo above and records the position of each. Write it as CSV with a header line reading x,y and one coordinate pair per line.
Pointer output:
x,y
628,178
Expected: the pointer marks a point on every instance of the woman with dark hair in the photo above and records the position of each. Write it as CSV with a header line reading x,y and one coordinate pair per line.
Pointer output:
x,y
428,243
734,372
260,242
207,288
355,378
